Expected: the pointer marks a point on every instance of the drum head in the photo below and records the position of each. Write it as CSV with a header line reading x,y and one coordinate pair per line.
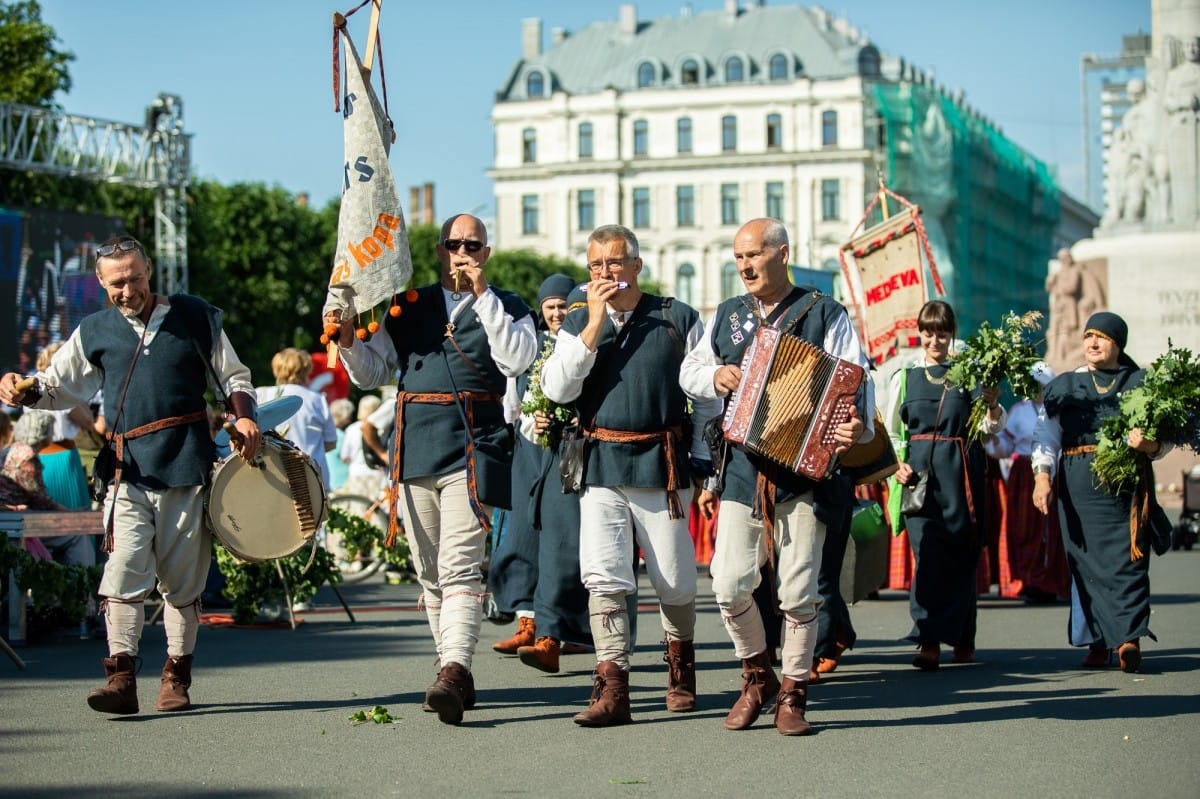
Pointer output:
x,y
267,510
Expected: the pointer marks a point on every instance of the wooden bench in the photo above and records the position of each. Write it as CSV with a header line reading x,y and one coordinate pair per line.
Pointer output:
x,y
19,525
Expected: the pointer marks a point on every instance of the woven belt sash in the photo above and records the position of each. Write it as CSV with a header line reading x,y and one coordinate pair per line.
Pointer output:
x,y
468,398
119,440
962,447
668,438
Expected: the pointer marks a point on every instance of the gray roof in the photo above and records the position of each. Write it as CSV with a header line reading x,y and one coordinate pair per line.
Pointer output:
x,y
600,56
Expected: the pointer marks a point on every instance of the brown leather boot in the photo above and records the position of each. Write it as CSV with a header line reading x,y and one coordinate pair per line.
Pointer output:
x,y
119,694
609,704
468,696
176,679
789,708
526,636
759,684
447,695
543,655
681,676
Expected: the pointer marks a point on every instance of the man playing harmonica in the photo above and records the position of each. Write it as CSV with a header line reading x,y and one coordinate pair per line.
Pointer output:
x,y
618,361
765,509
455,344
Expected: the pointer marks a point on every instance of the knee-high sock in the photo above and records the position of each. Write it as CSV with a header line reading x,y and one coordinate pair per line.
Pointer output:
x,y
124,621
745,627
609,620
461,618
433,615
679,621
182,625
799,641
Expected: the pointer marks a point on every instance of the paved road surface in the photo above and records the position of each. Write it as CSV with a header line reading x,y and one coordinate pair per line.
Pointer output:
x,y
272,707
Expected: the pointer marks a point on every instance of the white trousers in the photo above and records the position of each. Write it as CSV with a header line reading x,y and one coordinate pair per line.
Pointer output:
x,y
447,544
611,521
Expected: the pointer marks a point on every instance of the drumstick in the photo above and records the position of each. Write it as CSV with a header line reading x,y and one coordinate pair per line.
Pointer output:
x,y
24,384
235,435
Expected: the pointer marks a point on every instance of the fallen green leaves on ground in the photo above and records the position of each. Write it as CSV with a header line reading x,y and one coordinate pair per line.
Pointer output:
x,y
377,714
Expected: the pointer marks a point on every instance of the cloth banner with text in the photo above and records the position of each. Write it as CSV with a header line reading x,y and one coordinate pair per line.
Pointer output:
x,y
372,262
887,282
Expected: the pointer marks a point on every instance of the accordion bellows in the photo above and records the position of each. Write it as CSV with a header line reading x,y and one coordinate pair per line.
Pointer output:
x,y
792,397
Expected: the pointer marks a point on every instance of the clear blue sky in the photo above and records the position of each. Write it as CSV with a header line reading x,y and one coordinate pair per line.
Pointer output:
x,y
256,83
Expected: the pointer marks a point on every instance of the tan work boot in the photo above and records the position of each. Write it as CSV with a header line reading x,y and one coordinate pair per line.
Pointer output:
x,y
176,679
789,708
609,705
526,636
543,655
759,684
119,694
681,676
447,695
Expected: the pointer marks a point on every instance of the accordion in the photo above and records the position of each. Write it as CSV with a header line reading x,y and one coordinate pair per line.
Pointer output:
x,y
791,399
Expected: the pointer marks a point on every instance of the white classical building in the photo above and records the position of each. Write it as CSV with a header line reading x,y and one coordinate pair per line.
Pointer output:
x,y
684,128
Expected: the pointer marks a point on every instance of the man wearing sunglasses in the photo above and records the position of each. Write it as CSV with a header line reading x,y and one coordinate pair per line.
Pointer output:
x,y
455,345
148,353
618,360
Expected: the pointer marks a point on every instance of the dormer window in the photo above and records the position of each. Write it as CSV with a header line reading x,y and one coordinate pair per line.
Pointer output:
x,y
535,85
778,67
734,70
646,76
689,74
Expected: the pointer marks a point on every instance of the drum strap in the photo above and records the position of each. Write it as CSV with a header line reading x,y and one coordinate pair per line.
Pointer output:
x,y
669,437
119,440
468,399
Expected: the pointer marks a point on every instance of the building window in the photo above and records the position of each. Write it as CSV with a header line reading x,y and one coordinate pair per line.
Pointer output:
x,y
774,131
729,281
645,75
685,277
689,74
775,199
529,214
869,61
585,140
529,145
829,128
729,204
685,206
641,136
641,207
535,85
729,133
831,200
779,67
683,135
587,209
734,71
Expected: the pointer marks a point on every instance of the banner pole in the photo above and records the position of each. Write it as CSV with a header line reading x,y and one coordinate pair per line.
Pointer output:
x,y
372,35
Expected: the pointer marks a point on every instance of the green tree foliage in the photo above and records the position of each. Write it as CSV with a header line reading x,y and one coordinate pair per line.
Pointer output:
x,y
32,70
264,259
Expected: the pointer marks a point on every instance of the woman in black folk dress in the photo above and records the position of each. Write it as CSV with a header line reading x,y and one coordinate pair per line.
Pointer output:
x,y
1108,557
946,534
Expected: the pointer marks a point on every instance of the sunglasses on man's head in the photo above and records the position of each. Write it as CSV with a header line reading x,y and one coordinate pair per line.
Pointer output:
x,y
472,245
105,250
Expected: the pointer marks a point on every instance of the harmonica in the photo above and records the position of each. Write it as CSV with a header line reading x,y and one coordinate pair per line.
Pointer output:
x,y
621,284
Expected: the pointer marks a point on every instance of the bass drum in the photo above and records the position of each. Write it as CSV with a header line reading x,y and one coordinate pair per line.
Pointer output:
x,y
267,508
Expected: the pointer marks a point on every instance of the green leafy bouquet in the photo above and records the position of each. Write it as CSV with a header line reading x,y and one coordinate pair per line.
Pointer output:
x,y
1166,406
995,354
540,402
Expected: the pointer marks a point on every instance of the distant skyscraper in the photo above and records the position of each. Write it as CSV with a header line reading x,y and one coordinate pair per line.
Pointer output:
x,y
1105,102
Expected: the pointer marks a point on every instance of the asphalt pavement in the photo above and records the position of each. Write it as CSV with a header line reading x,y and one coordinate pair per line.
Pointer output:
x,y
272,706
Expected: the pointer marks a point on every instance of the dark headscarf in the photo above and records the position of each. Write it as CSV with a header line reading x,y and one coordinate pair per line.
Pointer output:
x,y
1114,328
555,286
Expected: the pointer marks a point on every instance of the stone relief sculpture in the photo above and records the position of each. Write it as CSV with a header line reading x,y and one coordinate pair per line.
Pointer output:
x,y
1181,100
1075,294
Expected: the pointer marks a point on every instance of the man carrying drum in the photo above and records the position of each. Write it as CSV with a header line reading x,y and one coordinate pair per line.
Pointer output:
x,y
152,355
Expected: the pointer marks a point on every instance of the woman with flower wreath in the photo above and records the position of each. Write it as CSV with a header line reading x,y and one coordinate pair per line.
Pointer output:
x,y
947,532
1108,554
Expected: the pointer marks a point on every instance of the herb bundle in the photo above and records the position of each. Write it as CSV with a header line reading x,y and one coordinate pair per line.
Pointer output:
x,y
996,354
539,402
1166,407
